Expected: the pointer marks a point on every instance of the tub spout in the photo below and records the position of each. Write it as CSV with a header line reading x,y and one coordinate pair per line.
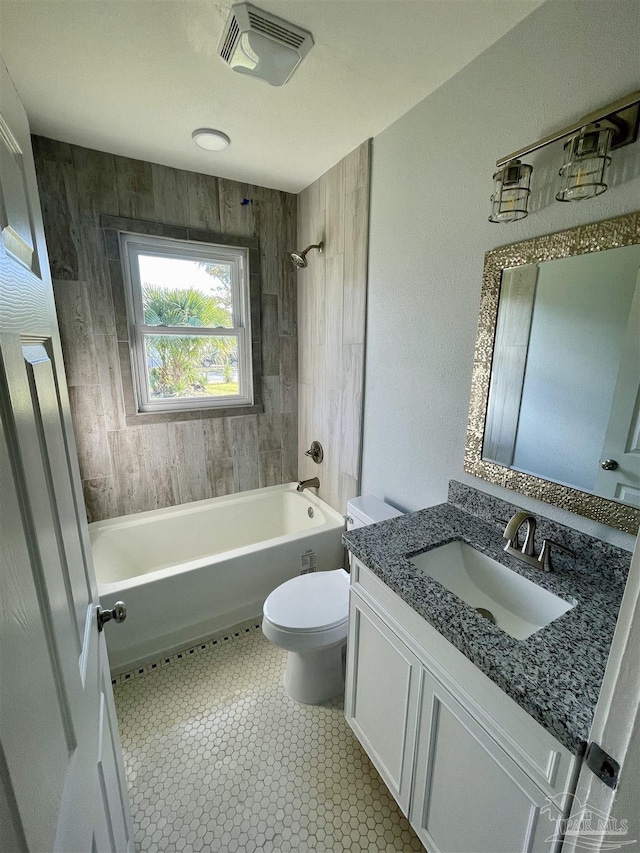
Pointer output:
x,y
313,483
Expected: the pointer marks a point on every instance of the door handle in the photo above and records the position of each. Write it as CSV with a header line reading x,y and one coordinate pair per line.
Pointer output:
x,y
118,613
609,465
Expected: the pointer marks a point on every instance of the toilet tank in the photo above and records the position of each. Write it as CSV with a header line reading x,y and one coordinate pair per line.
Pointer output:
x,y
368,509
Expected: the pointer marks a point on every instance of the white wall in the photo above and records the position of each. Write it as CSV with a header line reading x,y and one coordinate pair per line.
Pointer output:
x,y
431,181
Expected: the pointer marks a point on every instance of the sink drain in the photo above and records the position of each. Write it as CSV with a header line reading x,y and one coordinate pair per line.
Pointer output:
x,y
486,613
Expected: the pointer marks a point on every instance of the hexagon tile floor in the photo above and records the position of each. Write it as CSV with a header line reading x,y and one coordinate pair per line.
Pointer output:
x,y
219,758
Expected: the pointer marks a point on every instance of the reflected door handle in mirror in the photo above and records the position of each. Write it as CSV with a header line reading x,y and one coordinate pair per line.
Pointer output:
x,y
609,465
118,613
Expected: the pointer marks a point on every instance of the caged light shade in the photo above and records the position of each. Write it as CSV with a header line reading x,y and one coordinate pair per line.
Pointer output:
x,y
510,199
587,144
586,158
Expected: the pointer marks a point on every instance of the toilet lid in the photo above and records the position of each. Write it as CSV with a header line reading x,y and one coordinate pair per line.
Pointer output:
x,y
313,602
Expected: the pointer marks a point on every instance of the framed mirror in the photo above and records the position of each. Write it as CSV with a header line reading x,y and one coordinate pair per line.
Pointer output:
x,y
555,396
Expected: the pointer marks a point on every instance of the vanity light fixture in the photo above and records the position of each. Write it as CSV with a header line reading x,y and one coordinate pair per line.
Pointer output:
x,y
510,199
210,139
586,158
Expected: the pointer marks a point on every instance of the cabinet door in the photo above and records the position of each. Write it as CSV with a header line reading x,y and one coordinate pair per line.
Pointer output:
x,y
381,697
468,794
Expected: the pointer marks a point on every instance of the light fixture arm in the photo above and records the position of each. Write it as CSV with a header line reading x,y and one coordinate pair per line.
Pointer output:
x,y
623,116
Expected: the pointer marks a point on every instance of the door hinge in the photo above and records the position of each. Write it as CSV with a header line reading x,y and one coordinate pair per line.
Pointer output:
x,y
602,764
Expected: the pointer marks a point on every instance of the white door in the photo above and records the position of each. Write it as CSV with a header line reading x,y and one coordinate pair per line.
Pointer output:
x,y
62,784
621,480
605,818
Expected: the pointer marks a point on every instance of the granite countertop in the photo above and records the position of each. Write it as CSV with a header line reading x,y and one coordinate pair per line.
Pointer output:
x,y
556,673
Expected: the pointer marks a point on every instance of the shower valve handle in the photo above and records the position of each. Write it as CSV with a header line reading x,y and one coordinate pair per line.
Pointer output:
x,y
118,613
315,452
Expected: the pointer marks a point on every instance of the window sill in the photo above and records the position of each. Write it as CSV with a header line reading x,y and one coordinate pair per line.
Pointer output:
x,y
140,418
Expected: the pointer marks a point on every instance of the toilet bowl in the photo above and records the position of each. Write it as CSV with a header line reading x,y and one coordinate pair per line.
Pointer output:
x,y
308,616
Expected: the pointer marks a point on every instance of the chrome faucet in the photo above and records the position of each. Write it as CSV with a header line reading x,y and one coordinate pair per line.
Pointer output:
x,y
528,553
313,483
512,531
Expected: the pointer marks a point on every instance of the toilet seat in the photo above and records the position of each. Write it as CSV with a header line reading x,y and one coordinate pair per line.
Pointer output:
x,y
310,603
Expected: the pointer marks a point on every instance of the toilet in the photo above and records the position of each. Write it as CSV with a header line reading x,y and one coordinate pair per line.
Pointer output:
x,y
308,616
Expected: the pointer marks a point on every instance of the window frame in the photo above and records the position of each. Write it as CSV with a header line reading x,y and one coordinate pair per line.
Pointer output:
x,y
132,245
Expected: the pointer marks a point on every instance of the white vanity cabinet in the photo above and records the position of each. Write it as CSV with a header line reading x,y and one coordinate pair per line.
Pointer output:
x,y
466,764
384,684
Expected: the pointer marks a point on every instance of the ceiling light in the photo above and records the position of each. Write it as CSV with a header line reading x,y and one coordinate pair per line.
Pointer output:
x,y
210,140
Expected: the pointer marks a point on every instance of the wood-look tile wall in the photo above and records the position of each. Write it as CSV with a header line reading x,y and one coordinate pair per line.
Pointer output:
x,y
127,469
331,324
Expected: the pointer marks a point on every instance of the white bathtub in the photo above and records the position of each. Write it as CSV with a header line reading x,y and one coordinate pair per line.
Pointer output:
x,y
189,571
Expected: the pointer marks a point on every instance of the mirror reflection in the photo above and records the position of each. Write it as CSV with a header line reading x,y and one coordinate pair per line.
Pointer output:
x,y
564,400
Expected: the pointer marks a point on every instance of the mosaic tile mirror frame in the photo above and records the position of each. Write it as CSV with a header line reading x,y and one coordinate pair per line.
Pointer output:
x,y
614,233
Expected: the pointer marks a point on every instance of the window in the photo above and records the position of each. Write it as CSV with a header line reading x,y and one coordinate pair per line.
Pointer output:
x,y
189,322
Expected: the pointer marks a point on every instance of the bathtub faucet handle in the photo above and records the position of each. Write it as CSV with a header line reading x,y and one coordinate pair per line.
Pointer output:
x,y
118,613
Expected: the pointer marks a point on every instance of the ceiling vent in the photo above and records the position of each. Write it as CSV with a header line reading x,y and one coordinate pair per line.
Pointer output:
x,y
261,45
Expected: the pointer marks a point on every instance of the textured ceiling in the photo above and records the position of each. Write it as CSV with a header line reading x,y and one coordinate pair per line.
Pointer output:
x,y
135,77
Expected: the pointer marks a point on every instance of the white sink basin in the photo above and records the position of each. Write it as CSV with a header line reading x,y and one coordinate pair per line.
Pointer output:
x,y
518,606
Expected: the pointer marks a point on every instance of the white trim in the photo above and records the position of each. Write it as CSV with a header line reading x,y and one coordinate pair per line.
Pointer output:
x,y
237,257
615,719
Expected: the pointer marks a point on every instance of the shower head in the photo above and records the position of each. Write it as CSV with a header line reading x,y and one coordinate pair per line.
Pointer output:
x,y
300,258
